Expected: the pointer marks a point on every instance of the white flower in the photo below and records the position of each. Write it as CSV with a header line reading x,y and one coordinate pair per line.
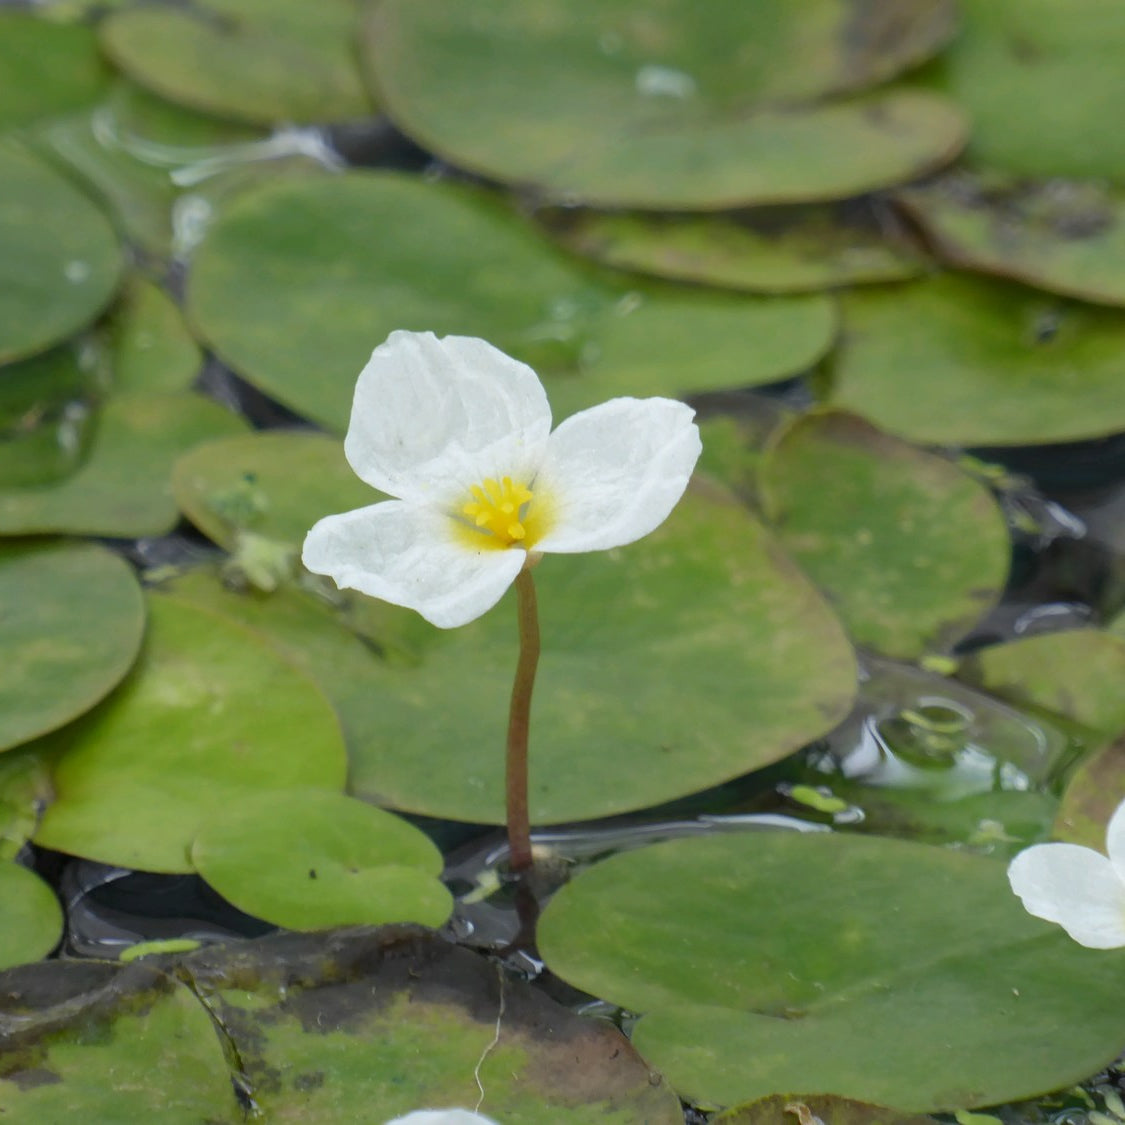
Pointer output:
x,y
461,434
1079,888
442,1117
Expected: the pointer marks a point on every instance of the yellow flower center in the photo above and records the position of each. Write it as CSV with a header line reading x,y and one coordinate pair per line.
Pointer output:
x,y
497,508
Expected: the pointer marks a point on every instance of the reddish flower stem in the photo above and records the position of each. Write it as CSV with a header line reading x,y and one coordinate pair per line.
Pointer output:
x,y
519,720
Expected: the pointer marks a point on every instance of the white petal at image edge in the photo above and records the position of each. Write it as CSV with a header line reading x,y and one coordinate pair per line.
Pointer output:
x,y
1115,841
614,472
432,417
1074,886
410,556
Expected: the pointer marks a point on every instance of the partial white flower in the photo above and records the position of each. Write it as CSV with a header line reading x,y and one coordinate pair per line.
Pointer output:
x,y
1079,888
461,435
442,1117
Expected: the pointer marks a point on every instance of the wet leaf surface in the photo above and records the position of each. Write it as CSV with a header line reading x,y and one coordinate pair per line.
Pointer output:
x,y
343,261
123,487
1077,673
1065,236
766,250
59,258
659,109
71,628
311,859
261,63
188,732
927,950
965,361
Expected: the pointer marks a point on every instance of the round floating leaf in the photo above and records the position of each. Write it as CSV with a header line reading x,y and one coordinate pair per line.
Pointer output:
x,y
287,61
341,263
766,250
397,1018
211,715
686,659
658,108
1092,795
1041,81
908,548
45,413
1066,236
308,860
31,920
805,1109
926,950
276,484
123,489
59,258
86,1041
46,68
963,361
1078,673
25,787
71,628
152,347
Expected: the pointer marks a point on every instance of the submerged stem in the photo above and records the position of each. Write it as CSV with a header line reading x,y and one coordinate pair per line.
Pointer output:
x,y
519,719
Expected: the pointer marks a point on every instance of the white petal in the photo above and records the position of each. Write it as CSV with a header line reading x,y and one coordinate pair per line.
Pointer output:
x,y
1115,840
432,417
408,555
613,473
1076,887
442,1117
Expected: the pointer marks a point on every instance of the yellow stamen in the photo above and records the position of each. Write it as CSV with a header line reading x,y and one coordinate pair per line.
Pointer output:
x,y
496,509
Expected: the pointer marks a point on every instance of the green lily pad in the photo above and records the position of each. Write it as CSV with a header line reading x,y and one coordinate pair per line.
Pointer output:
x,y
25,788
1065,236
658,109
397,1018
152,347
91,1042
1041,80
682,661
910,550
1078,673
338,262
189,732
123,489
46,68
46,418
31,920
310,859
71,628
276,483
59,258
340,646
285,61
766,250
1091,796
805,1109
964,361
926,950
